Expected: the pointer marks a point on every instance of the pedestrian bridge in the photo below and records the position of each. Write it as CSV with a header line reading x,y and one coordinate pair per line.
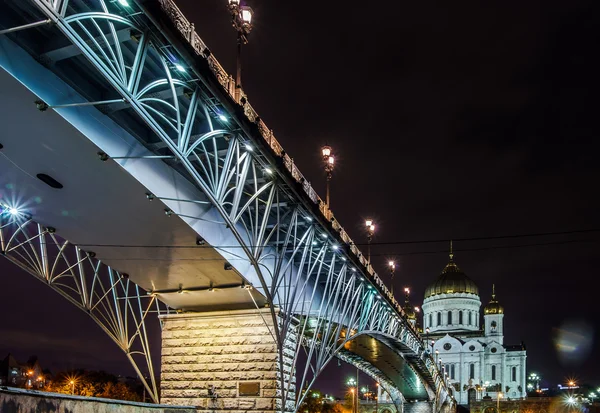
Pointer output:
x,y
137,182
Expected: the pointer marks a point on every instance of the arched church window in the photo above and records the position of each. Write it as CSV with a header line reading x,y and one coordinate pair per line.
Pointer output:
x,y
439,319
493,372
430,320
452,371
449,317
470,319
460,317
472,371
514,374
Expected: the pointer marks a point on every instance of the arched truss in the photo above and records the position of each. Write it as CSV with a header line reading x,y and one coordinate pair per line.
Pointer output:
x,y
306,271
116,304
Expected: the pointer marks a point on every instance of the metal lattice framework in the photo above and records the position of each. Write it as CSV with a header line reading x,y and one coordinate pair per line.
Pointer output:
x,y
116,304
317,283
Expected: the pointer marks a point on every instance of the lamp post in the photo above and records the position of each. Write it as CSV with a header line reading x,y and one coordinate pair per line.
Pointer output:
x,y
377,398
392,266
499,395
329,162
241,19
351,382
370,232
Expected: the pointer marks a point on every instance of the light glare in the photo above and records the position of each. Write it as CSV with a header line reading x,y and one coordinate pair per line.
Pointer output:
x,y
246,14
179,67
223,118
124,3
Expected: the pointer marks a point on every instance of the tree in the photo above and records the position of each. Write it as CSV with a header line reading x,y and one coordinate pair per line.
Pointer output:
x,y
314,402
92,384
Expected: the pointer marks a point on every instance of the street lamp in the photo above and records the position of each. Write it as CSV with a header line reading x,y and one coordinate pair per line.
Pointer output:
x,y
241,19
329,161
392,266
499,395
377,397
370,231
72,383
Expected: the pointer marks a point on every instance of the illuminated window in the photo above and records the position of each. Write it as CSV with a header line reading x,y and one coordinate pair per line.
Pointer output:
x,y
460,317
493,372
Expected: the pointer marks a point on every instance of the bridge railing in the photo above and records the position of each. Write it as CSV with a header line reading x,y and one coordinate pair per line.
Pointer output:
x,y
227,82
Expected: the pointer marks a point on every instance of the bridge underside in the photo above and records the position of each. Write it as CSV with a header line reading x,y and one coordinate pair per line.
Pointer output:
x,y
103,209
389,360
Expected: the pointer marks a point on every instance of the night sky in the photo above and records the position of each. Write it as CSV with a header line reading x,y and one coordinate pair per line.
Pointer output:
x,y
449,120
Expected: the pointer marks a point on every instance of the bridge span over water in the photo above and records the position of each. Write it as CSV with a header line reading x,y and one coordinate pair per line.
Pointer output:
x,y
136,182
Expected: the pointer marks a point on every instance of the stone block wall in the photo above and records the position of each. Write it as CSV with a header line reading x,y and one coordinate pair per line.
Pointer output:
x,y
225,361
418,407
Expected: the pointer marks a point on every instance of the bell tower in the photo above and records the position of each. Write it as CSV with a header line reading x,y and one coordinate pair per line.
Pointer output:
x,y
493,315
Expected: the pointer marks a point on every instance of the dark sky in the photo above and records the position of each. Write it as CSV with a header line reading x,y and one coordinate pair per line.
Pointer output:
x,y
449,120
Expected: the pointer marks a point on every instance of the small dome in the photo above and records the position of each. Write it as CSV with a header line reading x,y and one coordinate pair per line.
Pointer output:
x,y
493,307
451,281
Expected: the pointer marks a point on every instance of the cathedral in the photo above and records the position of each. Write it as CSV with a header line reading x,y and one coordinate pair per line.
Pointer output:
x,y
473,355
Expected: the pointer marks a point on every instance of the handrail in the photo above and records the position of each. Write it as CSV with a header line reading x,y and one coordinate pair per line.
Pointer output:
x,y
188,31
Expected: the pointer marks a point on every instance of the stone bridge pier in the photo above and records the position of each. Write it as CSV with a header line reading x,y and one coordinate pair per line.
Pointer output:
x,y
225,361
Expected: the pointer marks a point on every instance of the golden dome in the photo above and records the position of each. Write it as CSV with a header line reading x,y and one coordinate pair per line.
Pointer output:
x,y
452,281
493,307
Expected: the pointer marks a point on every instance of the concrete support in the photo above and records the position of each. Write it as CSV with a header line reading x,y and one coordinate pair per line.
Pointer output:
x,y
225,361
419,407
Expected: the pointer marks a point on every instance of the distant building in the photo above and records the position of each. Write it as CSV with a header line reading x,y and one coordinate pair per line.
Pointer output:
x,y
474,356
28,375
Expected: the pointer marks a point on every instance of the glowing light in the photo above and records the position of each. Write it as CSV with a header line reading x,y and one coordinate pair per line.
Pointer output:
x,y
234,2
124,3
369,222
335,247
246,14
417,309
13,211
392,264
223,118
331,160
179,67
268,171
248,148
326,150
407,290
372,228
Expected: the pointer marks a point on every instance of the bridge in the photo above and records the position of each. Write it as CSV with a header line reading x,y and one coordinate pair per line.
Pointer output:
x,y
139,183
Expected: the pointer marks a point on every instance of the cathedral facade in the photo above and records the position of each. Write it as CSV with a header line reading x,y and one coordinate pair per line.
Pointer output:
x,y
472,354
